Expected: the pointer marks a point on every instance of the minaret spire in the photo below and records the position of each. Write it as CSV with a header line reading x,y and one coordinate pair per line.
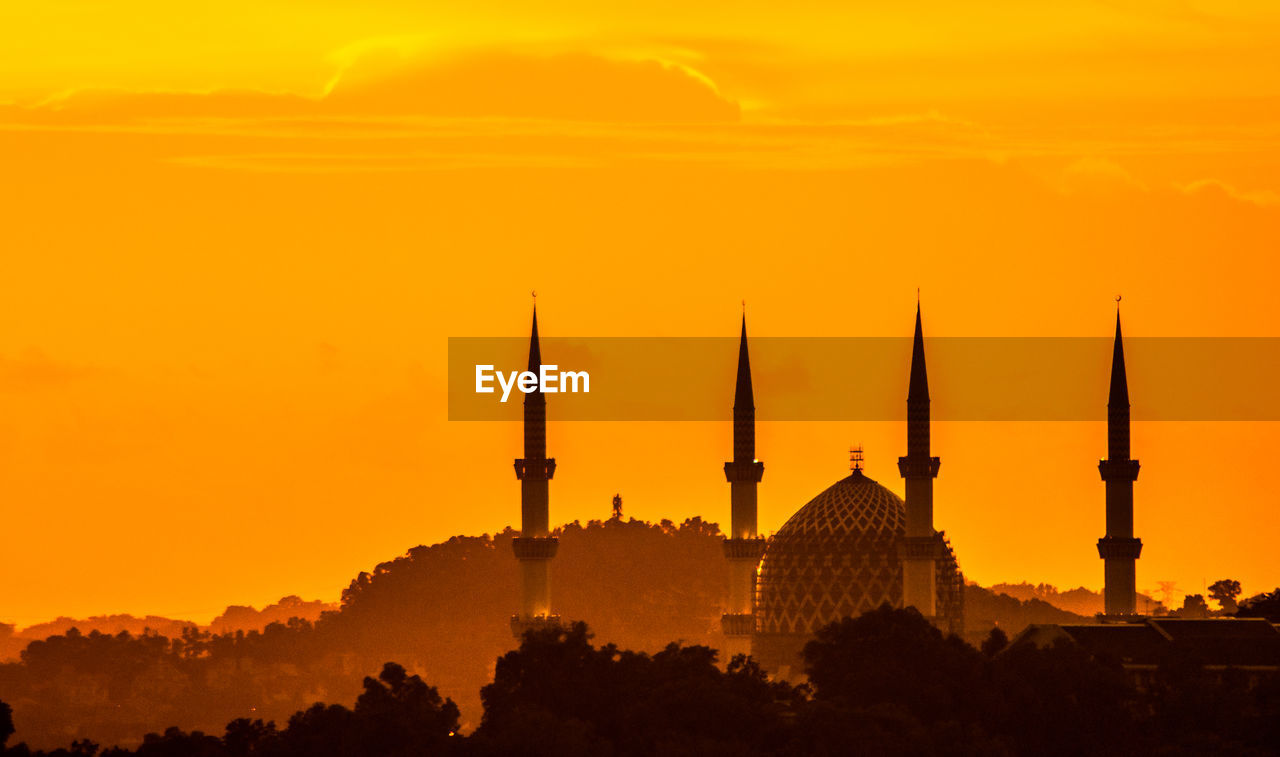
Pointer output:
x,y
918,389
535,349
742,547
535,415
535,546
743,395
744,404
1119,549
922,545
1118,401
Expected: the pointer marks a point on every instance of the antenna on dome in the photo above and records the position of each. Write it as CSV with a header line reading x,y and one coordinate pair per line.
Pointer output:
x,y
855,459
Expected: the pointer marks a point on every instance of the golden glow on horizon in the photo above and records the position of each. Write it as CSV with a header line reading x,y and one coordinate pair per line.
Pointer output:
x,y
237,235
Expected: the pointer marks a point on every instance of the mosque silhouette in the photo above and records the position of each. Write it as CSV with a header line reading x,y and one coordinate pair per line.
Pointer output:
x,y
850,549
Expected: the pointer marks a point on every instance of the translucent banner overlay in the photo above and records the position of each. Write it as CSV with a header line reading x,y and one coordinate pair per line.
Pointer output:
x,y
865,378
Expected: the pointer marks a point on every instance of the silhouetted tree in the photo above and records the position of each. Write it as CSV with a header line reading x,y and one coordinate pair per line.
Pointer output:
x,y
396,716
322,730
6,723
175,743
246,737
915,691
558,694
896,659
1225,592
401,715
995,642
1059,701
1193,606
1264,605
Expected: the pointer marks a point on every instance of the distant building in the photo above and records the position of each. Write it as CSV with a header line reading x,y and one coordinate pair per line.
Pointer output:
x,y
1248,645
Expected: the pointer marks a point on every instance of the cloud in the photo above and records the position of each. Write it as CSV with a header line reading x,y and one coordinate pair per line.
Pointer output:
x,y
1092,175
1265,198
395,106
488,84
569,86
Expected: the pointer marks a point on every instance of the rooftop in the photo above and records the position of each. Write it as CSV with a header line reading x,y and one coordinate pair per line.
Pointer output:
x,y
1239,642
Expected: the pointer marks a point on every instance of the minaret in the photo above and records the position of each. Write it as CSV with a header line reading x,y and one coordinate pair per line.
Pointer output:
x,y
535,546
921,547
1118,549
742,547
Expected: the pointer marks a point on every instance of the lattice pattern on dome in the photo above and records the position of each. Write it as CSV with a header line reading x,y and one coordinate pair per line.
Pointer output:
x,y
835,557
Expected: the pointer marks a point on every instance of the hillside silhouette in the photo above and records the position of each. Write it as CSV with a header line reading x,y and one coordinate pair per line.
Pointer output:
x,y
440,610
234,618
985,609
886,683
246,618
1079,600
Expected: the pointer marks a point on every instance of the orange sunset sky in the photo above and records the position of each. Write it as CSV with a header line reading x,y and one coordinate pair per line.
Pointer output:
x,y
237,235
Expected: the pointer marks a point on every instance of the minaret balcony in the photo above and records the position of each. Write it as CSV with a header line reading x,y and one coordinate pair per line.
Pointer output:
x,y
1110,547
535,469
744,549
738,471
1118,470
919,466
535,547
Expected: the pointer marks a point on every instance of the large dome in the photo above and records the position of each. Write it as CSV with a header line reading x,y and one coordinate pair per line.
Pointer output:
x,y
836,557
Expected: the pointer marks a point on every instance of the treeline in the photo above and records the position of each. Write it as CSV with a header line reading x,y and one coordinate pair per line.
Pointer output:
x,y
440,611
887,683
1080,601
234,618
1264,605
1085,603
